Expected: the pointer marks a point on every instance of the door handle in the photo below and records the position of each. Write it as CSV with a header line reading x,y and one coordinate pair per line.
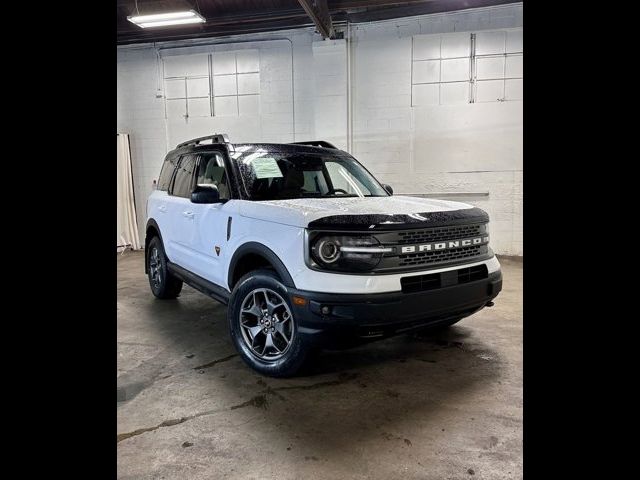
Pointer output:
x,y
162,208
188,214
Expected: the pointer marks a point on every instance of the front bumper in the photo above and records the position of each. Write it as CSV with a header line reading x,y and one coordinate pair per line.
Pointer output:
x,y
370,316
338,283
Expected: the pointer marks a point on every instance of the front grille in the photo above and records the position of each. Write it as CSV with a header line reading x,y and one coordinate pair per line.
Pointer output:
x,y
440,256
425,248
432,281
437,234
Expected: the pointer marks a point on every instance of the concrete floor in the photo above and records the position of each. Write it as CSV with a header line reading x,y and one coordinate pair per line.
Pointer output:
x,y
443,406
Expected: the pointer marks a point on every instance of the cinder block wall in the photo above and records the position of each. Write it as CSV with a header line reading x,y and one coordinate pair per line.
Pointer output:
x,y
470,150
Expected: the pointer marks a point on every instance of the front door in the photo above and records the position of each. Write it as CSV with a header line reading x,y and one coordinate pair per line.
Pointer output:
x,y
208,237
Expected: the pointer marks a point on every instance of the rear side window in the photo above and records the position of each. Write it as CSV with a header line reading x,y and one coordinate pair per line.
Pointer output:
x,y
166,172
183,183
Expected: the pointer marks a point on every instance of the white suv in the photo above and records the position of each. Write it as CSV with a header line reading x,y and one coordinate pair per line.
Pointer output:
x,y
309,250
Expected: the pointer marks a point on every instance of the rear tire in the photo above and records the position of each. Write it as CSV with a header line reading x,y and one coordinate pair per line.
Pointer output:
x,y
163,284
262,325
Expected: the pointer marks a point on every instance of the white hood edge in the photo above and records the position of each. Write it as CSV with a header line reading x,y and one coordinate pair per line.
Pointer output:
x,y
300,212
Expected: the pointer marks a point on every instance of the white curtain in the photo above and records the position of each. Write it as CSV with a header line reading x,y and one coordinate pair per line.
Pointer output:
x,y
127,220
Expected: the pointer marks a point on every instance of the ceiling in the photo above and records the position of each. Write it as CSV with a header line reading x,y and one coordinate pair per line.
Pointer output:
x,y
230,17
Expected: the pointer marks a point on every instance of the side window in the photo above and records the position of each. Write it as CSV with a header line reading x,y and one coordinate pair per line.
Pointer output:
x,y
165,174
212,172
183,183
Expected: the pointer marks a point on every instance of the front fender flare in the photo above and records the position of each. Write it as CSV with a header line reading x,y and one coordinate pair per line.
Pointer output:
x,y
264,251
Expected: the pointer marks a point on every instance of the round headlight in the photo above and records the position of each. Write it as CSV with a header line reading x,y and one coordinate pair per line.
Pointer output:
x,y
346,253
328,251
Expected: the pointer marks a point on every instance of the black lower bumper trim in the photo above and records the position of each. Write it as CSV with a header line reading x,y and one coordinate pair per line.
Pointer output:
x,y
383,314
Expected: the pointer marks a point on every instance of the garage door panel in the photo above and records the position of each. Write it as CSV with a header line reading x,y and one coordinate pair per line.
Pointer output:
x,y
489,67
175,88
186,65
490,91
426,71
198,87
456,45
426,47
225,85
224,63
455,70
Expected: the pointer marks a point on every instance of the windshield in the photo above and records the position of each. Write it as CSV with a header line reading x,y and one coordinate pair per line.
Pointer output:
x,y
272,175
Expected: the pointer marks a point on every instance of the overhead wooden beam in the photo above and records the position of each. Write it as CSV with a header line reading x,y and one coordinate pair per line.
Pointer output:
x,y
318,11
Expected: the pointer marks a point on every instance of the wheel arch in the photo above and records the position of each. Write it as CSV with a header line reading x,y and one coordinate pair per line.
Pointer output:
x,y
152,230
253,251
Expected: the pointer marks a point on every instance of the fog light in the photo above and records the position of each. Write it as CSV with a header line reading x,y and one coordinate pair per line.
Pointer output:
x,y
325,310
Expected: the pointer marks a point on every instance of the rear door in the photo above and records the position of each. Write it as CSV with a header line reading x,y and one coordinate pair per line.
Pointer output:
x,y
158,203
180,213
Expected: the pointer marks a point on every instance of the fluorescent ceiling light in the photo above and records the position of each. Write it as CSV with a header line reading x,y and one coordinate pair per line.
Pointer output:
x,y
166,19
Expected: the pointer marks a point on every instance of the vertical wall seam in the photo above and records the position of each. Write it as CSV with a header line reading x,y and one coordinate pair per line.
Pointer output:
x,y
472,66
186,100
212,108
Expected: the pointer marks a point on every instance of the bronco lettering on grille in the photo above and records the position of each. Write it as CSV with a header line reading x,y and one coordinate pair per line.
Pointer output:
x,y
467,242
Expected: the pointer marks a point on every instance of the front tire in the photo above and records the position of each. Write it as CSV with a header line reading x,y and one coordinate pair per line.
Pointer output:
x,y
262,325
163,284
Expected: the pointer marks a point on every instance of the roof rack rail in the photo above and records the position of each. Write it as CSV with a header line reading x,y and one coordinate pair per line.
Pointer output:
x,y
215,138
316,143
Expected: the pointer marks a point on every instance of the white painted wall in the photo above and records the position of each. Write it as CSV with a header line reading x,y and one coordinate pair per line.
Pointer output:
x,y
457,148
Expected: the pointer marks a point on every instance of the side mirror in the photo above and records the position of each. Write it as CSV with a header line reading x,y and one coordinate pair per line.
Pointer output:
x,y
205,194
388,188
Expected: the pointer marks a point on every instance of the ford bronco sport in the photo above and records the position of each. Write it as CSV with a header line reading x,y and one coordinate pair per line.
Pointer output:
x,y
309,250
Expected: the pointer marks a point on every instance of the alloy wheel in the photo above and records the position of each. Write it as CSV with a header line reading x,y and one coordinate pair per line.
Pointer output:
x,y
266,324
154,268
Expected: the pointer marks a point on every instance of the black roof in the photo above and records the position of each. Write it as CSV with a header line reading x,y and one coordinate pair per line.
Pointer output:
x,y
315,146
290,147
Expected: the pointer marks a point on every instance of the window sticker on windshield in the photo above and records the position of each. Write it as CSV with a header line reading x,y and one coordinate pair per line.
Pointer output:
x,y
266,167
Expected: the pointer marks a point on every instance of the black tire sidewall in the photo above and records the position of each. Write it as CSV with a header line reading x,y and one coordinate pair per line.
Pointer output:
x,y
294,358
